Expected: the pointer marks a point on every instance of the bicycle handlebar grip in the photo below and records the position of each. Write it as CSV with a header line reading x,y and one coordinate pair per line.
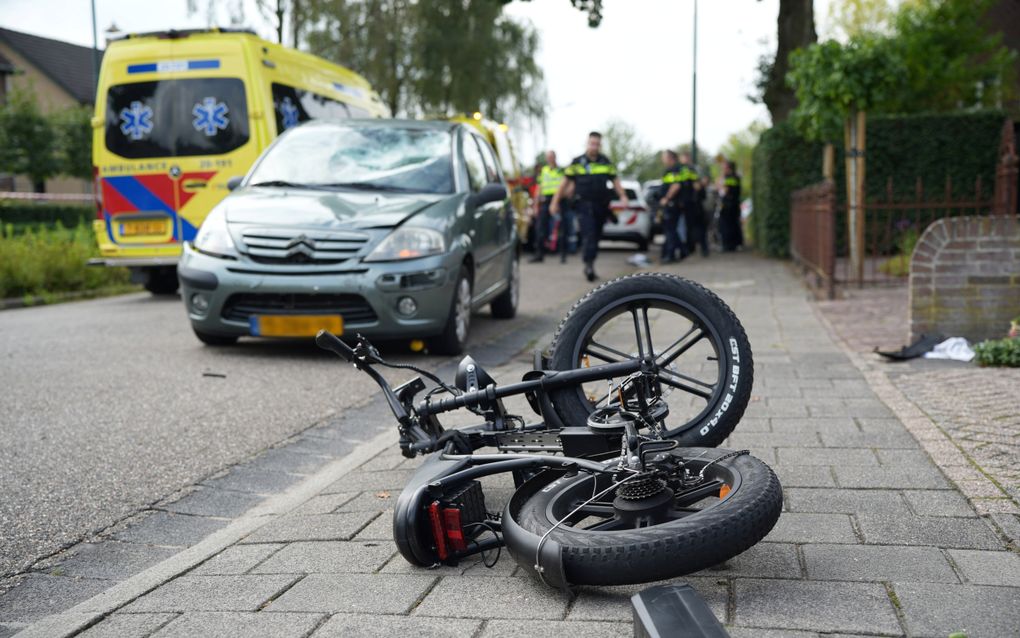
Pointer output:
x,y
329,341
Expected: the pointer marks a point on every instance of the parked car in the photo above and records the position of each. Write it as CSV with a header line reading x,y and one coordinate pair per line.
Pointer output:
x,y
634,222
651,192
394,229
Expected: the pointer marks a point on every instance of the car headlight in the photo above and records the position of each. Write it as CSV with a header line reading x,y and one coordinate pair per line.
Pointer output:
x,y
408,243
214,239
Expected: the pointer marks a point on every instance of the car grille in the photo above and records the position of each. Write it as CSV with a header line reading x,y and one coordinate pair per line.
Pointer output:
x,y
289,246
353,308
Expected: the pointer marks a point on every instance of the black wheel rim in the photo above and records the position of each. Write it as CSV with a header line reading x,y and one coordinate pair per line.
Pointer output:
x,y
591,349
569,504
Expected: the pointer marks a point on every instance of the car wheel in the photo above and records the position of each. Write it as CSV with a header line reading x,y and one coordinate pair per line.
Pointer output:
x,y
210,339
458,322
505,305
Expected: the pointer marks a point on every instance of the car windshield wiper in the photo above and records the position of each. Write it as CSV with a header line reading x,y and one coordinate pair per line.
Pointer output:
x,y
282,183
370,186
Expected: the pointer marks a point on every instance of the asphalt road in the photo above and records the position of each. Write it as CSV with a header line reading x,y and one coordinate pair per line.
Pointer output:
x,y
109,405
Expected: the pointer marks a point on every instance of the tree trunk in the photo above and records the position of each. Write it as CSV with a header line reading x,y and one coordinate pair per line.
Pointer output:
x,y
796,29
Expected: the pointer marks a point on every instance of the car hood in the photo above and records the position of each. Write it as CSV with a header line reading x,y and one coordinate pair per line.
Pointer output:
x,y
325,209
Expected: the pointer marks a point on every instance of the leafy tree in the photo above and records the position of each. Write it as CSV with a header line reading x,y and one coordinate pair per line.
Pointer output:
x,y
73,128
28,141
739,148
288,17
436,57
591,7
795,30
625,146
850,18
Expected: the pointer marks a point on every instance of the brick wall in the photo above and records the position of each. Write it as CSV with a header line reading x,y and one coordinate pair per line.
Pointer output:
x,y
965,278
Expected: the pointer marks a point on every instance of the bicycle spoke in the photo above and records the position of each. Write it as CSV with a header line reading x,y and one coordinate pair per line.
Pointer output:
x,y
607,349
695,494
682,386
644,341
709,386
684,347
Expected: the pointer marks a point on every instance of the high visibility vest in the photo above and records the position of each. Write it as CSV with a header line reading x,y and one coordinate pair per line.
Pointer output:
x,y
549,180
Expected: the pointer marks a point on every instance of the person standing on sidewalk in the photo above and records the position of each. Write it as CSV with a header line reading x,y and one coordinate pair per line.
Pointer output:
x,y
549,180
730,232
678,203
593,178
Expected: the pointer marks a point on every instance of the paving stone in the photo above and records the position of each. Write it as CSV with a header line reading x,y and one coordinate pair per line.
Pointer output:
x,y
325,527
844,501
891,477
613,603
988,568
127,626
284,459
38,595
752,424
323,504
170,530
904,458
372,501
480,597
529,629
254,480
212,593
804,475
816,606
826,456
742,632
9,629
1010,526
111,560
378,626
938,503
330,446
938,610
354,593
230,624
877,563
380,529
964,533
740,440
764,560
394,480
208,501
893,439
327,558
833,426
236,559
794,527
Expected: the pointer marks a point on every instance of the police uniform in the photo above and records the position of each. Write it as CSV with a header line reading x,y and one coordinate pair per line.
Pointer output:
x,y
593,195
730,232
549,180
674,222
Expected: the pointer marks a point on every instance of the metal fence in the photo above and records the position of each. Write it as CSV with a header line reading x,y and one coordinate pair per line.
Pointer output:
x,y
813,235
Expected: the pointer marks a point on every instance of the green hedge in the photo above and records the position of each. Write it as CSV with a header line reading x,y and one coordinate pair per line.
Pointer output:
x,y
961,146
22,215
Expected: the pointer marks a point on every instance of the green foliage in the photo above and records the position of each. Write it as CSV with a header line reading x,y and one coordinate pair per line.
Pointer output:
x,y
739,148
851,18
998,352
903,148
45,261
73,128
28,141
899,264
625,146
439,57
938,57
783,162
22,215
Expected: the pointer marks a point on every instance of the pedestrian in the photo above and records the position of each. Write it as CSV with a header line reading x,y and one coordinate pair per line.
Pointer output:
x,y
549,180
730,232
677,202
697,224
593,178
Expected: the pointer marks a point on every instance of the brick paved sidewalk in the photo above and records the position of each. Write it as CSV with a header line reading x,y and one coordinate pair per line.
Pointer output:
x,y
875,539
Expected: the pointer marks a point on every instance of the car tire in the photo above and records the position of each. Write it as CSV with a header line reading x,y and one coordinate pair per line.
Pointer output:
x,y
458,322
162,281
211,339
505,305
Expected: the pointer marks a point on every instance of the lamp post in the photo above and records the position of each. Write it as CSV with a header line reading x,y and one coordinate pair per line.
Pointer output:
x,y
694,92
95,48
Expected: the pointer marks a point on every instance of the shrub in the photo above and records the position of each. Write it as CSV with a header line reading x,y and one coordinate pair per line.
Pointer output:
x,y
21,215
998,352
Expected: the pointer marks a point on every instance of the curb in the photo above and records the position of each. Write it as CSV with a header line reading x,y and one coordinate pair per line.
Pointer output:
x,y
89,612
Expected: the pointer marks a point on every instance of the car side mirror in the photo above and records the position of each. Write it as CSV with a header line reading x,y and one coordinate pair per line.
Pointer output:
x,y
234,182
491,192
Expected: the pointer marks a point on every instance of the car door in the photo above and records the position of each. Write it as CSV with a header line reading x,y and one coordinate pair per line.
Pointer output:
x,y
484,231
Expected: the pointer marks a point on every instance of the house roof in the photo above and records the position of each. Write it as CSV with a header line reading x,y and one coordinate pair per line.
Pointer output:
x,y
69,65
5,65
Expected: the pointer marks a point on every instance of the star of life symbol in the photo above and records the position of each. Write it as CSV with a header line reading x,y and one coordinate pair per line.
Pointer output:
x,y
290,113
136,120
210,116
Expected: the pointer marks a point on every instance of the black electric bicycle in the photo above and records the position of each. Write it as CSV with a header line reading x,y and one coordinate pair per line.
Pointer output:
x,y
619,481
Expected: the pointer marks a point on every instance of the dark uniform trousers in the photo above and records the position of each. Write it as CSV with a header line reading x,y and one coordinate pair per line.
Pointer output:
x,y
591,217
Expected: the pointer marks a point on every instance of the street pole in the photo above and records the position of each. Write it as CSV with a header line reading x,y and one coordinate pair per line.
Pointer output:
x,y
95,48
694,93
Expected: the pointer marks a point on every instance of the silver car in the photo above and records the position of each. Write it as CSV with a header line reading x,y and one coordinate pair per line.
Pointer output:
x,y
394,229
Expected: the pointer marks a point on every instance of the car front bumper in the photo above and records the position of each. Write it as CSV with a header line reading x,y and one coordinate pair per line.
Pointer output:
x,y
221,294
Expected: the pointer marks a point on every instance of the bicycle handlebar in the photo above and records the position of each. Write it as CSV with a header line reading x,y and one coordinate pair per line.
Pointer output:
x,y
329,341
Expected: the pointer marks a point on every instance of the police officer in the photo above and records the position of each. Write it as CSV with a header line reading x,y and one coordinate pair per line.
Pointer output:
x,y
730,232
549,180
678,202
590,175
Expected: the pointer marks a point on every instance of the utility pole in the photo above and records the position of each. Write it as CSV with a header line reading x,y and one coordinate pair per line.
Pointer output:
x,y
95,48
694,93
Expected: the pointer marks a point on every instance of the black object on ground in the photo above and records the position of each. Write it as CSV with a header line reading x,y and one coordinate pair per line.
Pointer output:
x,y
674,611
924,343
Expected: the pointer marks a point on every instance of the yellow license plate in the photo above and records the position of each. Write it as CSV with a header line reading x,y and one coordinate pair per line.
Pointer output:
x,y
294,325
143,227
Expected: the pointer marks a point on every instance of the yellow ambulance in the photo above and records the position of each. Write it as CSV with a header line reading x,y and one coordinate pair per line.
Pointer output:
x,y
179,115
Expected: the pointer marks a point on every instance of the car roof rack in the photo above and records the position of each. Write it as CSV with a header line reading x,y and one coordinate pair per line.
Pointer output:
x,y
174,34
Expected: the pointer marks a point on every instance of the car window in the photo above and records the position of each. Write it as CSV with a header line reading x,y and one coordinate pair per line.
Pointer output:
x,y
491,172
475,164
293,106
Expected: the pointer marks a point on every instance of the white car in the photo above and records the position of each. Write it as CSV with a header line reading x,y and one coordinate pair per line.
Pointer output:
x,y
633,223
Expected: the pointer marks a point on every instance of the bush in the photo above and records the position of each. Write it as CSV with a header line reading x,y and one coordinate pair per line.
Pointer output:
x,y
998,352
960,146
44,261
23,215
